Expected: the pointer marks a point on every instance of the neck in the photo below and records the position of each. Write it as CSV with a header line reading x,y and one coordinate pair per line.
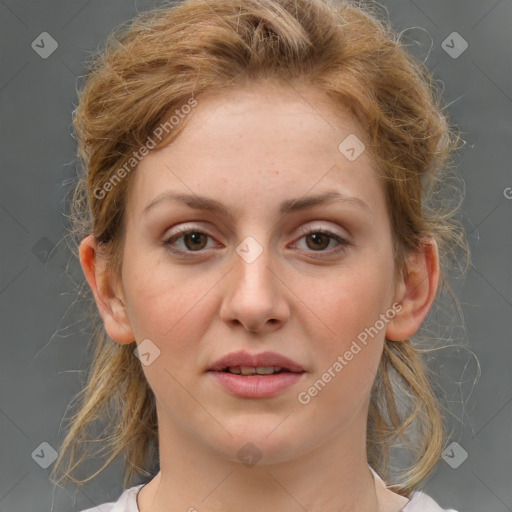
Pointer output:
x,y
334,476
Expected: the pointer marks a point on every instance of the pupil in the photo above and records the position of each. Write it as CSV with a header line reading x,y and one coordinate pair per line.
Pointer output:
x,y
317,237
195,239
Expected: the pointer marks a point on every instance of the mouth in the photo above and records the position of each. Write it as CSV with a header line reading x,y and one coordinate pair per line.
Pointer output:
x,y
250,382
246,371
262,375
247,364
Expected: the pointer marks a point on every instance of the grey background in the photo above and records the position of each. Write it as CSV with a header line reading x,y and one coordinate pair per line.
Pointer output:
x,y
42,340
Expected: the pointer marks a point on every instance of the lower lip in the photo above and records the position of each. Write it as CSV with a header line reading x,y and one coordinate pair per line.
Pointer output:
x,y
263,386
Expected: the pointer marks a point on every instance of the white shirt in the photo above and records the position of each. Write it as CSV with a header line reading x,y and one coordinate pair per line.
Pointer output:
x,y
127,502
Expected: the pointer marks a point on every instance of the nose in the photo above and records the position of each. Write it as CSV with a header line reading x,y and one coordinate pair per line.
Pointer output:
x,y
254,292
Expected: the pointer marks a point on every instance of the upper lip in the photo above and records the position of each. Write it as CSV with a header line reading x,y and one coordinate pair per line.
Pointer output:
x,y
243,358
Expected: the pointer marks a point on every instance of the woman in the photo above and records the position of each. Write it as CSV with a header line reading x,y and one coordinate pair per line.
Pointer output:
x,y
257,229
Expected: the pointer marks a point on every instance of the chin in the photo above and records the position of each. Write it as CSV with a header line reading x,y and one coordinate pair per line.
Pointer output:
x,y
261,444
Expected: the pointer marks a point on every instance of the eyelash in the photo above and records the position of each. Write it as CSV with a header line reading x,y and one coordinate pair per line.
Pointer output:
x,y
304,232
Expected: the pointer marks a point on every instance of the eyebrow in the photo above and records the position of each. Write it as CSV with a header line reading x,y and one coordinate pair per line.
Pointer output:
x,y
288,206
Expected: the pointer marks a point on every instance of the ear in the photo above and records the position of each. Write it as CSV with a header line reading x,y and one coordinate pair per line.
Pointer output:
x,y
416,291
110,306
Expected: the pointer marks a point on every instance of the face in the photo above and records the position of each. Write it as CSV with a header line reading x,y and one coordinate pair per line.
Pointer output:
x,y
304,283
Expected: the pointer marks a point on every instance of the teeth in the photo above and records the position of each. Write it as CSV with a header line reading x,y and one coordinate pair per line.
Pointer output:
x,y
265,370
260,370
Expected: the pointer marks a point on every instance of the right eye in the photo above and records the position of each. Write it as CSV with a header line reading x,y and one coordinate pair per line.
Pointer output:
x,y
193,241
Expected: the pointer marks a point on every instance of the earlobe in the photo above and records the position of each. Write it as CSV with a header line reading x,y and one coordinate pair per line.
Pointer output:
x,y
417,291
110,306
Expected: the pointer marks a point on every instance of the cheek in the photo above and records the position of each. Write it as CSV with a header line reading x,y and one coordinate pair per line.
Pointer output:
x,y
167,306
347,355
350,335
347,302
173,310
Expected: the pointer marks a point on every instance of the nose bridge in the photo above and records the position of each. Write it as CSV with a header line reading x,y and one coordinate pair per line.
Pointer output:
x,y
252,262
253,296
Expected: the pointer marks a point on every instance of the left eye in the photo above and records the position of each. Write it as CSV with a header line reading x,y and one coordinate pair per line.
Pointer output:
x,y
321,239
317,240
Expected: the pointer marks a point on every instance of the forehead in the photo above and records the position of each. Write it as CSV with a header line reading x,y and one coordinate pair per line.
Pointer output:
x,y
262,141
278,116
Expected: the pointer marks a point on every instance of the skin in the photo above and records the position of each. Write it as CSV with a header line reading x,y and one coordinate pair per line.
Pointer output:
x,y
251,149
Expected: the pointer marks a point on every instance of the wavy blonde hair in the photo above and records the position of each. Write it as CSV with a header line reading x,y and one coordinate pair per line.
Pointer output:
x,y
159,60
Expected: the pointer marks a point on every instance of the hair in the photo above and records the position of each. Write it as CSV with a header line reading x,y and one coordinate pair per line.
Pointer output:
x,y
154,65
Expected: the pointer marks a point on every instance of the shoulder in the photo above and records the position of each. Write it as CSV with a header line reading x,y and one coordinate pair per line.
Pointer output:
x,y
421,502
127,502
